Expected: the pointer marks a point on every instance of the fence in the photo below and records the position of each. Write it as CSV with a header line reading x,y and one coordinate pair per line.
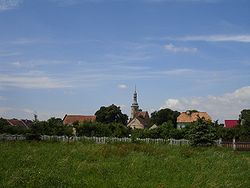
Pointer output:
x,y
12,137
241,146
103,140
99,140
178,142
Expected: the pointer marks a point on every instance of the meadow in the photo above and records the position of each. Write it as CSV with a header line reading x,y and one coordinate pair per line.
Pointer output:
x,y
57,164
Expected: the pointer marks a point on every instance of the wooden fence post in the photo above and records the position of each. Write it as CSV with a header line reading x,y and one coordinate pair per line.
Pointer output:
x,y
234,144
220,141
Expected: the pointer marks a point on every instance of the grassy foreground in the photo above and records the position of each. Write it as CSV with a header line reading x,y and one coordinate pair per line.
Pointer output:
x,y
44,164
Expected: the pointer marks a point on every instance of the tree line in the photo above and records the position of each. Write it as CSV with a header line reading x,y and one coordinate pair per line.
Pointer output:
x,y
111,122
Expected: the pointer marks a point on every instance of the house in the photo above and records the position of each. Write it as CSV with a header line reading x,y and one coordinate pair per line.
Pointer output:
x,y
231,123
153,127
27,122
139,119
138,123
185,118
70,119
19,123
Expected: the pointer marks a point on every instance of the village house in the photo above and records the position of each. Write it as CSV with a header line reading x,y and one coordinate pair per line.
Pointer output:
x,y
70,119
23,123
139,119
186,118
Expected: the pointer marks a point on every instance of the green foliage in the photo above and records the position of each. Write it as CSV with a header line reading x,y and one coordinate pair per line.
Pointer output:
x,y
56,164
227,134
165,131
192,111
53,126
99,129
111,114
245,124
6,128
33,136
164,115
201,133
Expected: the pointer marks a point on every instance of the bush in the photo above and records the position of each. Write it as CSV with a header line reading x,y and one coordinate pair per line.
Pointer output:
x,y
32,136
201,133
100,130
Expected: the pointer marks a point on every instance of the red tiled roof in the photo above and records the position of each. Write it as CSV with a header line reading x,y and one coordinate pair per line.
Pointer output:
x,y
143,114
70,119
186,117
231,123
17,123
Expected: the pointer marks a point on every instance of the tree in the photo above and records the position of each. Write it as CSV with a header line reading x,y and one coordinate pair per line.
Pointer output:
x,y
111,114
5,127
201,133
164,115
166,129
245,124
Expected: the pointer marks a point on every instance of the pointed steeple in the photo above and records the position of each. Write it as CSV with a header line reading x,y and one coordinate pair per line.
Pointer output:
x,y
134,106
135,97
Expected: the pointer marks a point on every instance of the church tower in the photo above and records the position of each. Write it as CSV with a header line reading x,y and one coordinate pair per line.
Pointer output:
x,y
134,106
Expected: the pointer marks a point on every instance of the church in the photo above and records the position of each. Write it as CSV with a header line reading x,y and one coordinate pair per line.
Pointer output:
x,y
139,119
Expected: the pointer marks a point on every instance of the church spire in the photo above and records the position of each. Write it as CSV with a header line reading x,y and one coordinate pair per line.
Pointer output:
x,y
135,97
134,106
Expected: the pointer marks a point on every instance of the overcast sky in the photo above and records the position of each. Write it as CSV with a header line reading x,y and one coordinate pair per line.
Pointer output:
x,y
73,56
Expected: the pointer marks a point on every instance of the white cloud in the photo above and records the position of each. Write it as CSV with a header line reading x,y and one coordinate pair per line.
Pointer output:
x,y
216,38
8,54
17,64
122,86
3,110
226,106
27,113
30,81
172,48
2,98
9,4
178,72
27,41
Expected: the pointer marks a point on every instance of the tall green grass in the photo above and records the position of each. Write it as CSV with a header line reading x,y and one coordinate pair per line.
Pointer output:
x,y
47,164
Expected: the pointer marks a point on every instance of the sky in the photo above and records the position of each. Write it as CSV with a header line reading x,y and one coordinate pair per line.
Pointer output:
x,y
62,57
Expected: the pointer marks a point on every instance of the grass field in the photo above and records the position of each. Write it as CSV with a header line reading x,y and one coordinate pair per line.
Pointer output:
x,y
47,164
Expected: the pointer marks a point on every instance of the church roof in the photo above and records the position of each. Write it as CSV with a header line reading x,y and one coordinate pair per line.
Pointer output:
x,y
143,114
70,119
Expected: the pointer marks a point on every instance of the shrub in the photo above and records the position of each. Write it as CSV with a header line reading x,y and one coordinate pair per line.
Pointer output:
x,y
33,136
201,133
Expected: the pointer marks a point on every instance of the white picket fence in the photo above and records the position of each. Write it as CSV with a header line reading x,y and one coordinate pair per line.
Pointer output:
x,y
98,140
12,137
104,140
